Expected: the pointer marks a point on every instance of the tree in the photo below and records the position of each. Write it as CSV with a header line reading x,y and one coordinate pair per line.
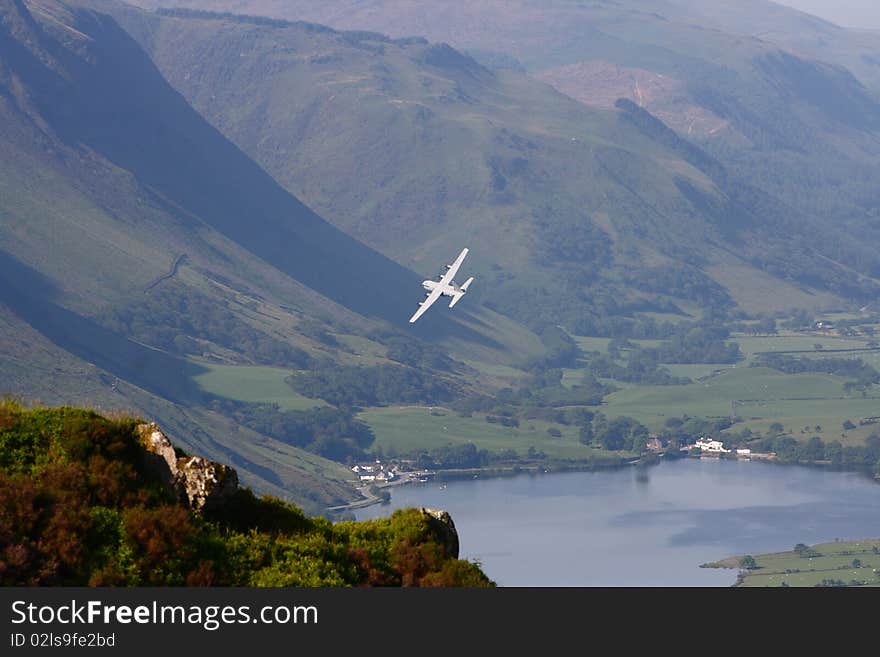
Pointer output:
x,y
748,562
814,450
586,434
766,326
847,425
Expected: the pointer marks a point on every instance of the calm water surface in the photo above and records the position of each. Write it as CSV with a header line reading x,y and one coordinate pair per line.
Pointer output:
x,y
644,527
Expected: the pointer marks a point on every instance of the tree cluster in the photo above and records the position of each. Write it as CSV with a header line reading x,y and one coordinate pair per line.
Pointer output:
x,y
179,319
333,433
378,385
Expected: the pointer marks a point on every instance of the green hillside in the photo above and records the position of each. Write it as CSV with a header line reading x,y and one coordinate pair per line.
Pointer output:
x,y
222,222
773,102
87,501
841,563
139,249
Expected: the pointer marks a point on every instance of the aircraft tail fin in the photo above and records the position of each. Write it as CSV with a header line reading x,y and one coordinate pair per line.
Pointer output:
x,y
467,283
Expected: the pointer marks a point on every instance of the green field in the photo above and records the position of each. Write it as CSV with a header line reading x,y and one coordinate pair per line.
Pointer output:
x,y
822,393
592,344
831,561
871,358
750,345
405,429
502,375
804,423
697,370
366,351
253,383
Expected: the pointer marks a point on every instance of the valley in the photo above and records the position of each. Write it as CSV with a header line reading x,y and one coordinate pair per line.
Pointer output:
x,y
221,222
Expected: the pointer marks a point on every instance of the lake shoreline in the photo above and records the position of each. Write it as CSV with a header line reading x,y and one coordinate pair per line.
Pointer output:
x,y
645,526
833,561
492,472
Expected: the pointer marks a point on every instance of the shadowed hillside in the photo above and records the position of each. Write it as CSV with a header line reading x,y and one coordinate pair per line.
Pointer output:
x,y
107,96
134,237
29,295
786,102
413,146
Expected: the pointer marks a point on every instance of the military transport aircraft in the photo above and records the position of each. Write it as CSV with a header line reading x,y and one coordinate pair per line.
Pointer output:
x,y
444,287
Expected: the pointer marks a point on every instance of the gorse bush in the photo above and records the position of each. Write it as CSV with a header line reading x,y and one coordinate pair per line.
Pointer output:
x,y
79,505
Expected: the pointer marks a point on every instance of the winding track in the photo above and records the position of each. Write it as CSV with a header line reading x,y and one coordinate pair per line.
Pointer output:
x,y
164,277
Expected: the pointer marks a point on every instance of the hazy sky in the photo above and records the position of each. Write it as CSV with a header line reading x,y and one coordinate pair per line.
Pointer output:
x,y
851,13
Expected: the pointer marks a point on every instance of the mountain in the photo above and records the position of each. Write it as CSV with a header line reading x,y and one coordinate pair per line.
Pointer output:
x,y
220,222
134,236
784,101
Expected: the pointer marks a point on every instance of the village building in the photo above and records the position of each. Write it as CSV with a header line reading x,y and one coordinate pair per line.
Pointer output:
x,y
654,444
711,445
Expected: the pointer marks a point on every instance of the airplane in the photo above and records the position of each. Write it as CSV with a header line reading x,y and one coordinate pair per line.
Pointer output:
x,y
444,287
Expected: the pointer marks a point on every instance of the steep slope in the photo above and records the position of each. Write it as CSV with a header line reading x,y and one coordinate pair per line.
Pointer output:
x,y
134,237
101,93
412,147
741,79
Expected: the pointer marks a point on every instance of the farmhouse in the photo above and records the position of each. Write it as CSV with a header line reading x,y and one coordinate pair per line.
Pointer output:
x,y
710,445
378,472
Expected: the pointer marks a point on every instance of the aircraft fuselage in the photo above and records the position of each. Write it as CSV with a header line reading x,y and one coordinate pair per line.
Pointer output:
x,y
448,290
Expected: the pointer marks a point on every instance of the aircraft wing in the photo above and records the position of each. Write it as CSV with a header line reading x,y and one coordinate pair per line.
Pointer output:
x,y
424,305
453,268
441,285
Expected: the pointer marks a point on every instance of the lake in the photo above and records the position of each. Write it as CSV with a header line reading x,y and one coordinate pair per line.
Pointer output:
x,y
643,526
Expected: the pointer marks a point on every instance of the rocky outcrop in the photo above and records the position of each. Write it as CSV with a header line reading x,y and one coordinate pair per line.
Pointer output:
x,y
205,482
197,481
444,528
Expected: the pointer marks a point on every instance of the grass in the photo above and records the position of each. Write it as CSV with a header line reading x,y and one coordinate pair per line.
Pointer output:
x,y
253,383
804,426
750,345
758,396
808,397
405,429
366,351
695,371
499,374
592,344
831,561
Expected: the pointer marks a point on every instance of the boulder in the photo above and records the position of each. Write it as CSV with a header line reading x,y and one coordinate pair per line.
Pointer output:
x,y
442,525
160,458
195,480
206,483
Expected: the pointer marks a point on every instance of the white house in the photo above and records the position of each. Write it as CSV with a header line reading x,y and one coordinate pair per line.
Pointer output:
x,y
709,445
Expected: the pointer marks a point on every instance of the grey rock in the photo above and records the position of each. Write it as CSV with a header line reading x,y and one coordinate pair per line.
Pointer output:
x,y
198,482
206,483
441,523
